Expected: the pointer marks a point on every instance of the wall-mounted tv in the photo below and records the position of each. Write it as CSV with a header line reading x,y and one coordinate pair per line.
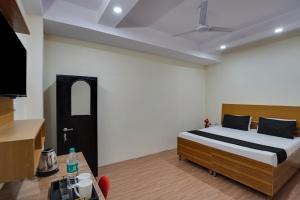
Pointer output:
x,y
12,62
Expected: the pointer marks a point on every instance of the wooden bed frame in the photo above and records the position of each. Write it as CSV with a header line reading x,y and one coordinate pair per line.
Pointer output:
x,y
257,175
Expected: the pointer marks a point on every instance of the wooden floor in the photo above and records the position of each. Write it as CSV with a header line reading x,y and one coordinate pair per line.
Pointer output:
x,y
163,176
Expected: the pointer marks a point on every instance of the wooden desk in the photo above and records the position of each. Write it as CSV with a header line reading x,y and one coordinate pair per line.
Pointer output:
x,y
37,188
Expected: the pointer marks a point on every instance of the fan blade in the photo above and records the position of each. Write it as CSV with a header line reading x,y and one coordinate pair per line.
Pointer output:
x,y
203,12
220,29
184,33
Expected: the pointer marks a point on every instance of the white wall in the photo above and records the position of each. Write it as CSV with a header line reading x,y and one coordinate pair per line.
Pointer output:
x,y
268,74
144,100
31,107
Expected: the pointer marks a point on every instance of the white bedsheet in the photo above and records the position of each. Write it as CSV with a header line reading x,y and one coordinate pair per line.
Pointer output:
x,y
289,145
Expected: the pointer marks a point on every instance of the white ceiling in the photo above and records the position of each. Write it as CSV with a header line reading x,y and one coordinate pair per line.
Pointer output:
x,y
89,4
150,25
237,14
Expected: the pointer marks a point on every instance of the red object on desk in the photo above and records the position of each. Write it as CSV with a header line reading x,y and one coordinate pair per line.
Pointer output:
x,y
104,185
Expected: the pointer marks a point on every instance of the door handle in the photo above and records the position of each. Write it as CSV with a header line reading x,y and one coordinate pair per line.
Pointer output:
x,y
65,130
65,137
68,129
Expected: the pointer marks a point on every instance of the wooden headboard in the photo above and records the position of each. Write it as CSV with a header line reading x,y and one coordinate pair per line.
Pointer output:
x,y
256,111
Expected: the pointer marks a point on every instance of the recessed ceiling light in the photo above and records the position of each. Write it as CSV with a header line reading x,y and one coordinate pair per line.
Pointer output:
x,y
278,30
117,10
222,47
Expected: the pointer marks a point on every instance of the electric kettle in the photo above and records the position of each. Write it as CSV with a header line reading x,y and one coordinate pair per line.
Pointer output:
x,y
48,163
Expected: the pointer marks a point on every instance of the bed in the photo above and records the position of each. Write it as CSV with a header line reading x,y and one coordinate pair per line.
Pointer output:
x,y
260,170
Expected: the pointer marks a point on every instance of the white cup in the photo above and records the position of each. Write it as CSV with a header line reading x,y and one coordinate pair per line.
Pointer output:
x,y
83,176
84,188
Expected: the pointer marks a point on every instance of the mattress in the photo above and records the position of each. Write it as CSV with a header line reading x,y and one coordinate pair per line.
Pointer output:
x,y
289,145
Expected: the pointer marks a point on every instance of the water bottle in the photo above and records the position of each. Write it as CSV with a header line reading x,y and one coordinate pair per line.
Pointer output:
x,y
72,168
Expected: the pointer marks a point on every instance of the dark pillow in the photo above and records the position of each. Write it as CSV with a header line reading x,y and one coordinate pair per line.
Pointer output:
x,y
276,127
236,122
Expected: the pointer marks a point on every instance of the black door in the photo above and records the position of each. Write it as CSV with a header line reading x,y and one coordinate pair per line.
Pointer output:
x,y
76,129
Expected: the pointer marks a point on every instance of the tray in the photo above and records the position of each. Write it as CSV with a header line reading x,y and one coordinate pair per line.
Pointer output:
x,y
56,194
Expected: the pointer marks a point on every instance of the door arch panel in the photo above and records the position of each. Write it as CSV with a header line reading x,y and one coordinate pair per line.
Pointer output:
x,y
80,98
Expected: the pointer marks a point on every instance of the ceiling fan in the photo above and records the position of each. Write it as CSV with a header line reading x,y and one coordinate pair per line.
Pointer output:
x,y
203,26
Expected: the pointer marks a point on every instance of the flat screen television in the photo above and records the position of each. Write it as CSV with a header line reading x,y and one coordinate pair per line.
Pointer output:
x,y
12,62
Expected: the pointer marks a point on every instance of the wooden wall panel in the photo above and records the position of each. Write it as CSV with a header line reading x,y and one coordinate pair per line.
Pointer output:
x,y
13,15
6,111
256,111
6,105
